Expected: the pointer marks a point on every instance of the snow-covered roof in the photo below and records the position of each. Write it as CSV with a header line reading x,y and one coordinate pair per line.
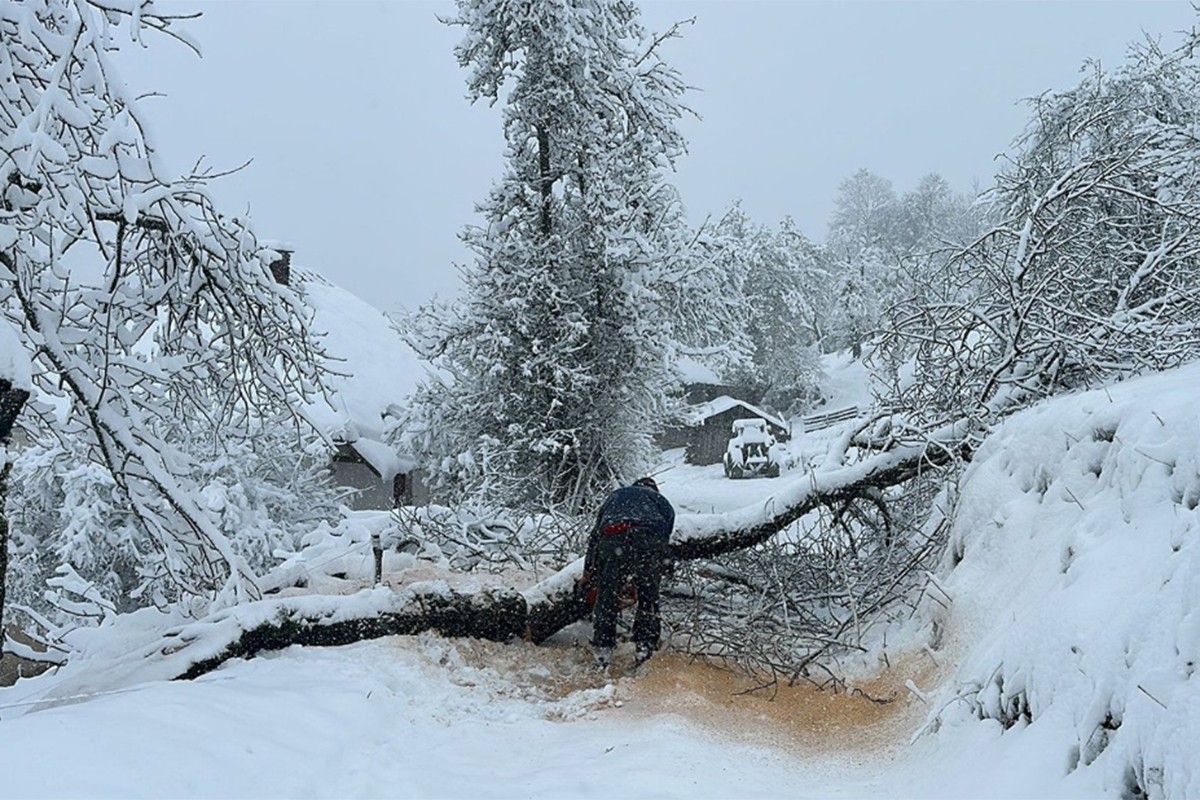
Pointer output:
x,y
372,369
723,403
382,458
692,371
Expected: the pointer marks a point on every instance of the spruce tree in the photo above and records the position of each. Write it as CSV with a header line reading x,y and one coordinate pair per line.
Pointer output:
x,y
555,365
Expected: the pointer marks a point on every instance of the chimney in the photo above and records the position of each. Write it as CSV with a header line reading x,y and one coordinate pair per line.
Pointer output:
x,y
281,268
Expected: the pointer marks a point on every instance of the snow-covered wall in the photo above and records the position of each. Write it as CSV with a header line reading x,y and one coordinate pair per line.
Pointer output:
x,y
1074,568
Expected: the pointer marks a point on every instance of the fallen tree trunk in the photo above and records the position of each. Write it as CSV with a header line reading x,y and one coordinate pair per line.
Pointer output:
x,y
546,608
498,616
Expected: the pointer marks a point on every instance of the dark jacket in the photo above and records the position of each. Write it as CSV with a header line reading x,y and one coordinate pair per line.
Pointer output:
x,y
632,507
636,507
624,565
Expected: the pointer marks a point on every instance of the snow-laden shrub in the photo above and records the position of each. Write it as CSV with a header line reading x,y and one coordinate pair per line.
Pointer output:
x,y
265,490
66,510
73,530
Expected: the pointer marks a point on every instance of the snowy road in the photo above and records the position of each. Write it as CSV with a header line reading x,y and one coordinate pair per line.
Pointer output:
x,y
410,717
1063,667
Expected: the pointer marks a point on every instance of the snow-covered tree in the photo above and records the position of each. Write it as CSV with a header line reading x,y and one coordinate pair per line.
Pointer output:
x,y
782,295
885,249
1094,269
556,365
865,216
137,300
863,248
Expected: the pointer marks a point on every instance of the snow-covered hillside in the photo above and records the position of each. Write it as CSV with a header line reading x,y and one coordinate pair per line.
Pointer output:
x,y
1055,660
1074,569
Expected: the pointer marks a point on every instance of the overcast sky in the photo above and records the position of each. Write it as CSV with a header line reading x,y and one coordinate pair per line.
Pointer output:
x,y
368,159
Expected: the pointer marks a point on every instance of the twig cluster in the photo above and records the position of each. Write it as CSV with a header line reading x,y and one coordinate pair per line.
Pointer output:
x,y
786,609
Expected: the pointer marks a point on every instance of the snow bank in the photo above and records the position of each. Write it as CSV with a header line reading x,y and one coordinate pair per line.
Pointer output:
x,y
1074,567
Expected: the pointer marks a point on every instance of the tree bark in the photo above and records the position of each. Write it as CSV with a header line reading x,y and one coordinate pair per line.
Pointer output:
x,y
11,402
546,608
498,616
545,179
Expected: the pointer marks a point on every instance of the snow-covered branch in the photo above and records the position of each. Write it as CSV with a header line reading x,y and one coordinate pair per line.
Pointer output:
x,y
146,311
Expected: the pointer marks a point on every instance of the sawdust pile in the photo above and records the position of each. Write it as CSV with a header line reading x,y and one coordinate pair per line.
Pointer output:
x,y
876,715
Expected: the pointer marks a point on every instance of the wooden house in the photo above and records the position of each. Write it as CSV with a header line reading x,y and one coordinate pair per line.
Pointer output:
x,y
372,371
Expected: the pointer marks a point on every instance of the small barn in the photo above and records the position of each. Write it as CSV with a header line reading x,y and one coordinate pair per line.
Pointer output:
x,y
710,426
380,478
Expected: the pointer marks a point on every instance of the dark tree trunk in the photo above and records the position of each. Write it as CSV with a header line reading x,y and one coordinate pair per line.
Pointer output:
x,y
11,402
498,616
545,178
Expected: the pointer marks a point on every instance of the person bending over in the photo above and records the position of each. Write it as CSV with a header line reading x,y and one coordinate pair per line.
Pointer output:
x,y
628,544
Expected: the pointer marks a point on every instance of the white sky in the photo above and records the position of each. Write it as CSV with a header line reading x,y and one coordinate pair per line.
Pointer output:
x,y
368,159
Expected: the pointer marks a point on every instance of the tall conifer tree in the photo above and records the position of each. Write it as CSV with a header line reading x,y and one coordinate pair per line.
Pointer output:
x,y
555,363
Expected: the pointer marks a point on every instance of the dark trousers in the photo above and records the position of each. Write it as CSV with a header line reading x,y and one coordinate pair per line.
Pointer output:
x,y
632,555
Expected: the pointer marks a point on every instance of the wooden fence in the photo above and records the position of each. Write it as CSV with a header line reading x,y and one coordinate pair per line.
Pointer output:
x,y
818,422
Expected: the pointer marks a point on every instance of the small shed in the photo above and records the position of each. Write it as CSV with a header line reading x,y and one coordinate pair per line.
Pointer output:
x,y
381,478
711,423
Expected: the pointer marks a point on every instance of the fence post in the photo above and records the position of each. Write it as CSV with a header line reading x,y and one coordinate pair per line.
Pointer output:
x,y
377,547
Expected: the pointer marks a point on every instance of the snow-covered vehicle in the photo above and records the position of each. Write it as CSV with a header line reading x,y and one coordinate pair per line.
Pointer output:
x,y
748,454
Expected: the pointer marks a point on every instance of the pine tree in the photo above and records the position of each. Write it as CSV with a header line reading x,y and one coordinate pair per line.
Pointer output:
x,y
556,364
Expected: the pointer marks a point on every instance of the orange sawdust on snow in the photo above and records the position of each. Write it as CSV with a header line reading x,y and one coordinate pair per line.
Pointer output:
x,y
877,713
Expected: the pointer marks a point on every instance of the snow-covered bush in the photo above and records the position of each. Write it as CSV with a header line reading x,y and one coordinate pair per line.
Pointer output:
x,y
265,490
66,510
69,517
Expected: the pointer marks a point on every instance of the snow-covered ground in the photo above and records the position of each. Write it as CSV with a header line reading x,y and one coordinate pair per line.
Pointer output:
x,y
1055,660
415,717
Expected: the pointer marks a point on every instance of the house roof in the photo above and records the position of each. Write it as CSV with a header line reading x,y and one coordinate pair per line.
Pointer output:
x,y
382,458
372,370
723,403
692,371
